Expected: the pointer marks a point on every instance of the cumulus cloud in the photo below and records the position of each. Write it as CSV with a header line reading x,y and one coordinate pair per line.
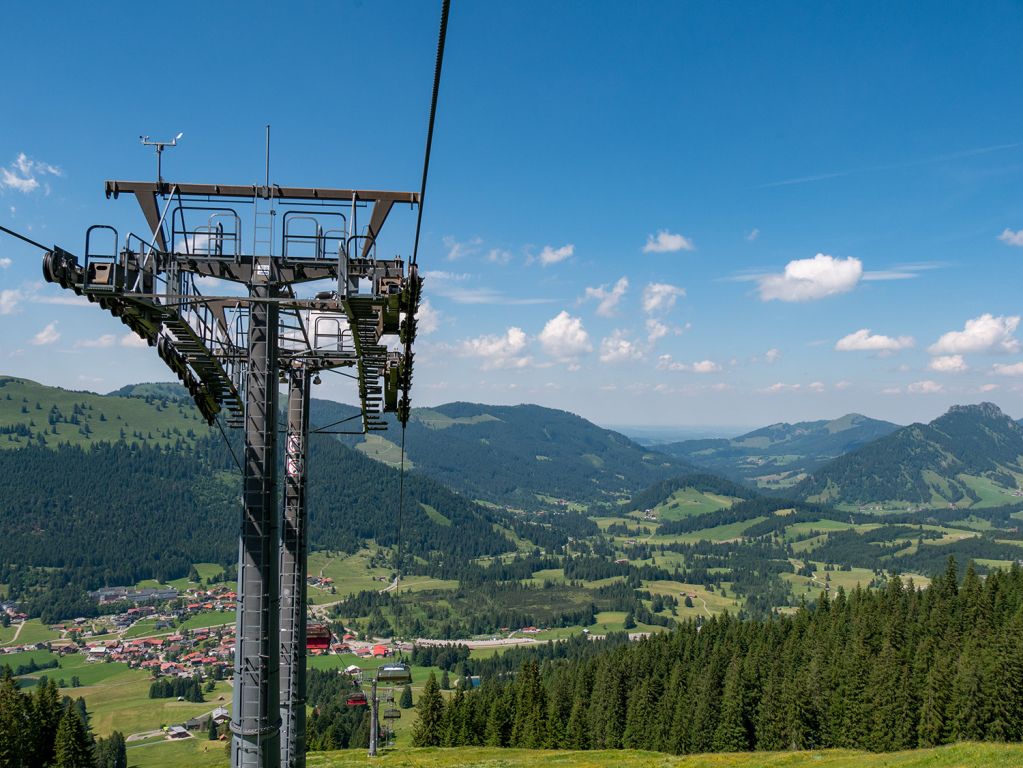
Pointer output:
x,y
551,255
498,351
660,297
10,298
607,299
1012,238
619,348
22,175
772,356
5,262
655,330
926,387
1014,369
810,279
564,337
49,335
986,333
460,249
427,318
988,387
783,387
864,341
666,363
753,234
667,242
948,364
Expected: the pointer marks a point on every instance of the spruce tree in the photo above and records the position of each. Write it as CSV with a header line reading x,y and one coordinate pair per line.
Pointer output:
x,y
405,702
430,709
73,745
211,730
15,748
732,734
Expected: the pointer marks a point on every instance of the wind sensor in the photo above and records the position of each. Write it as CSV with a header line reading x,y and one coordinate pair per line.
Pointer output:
x,y
159,152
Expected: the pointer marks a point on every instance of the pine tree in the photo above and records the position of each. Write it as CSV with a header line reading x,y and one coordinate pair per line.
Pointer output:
x,y
430,709
445,681
211,730
73,745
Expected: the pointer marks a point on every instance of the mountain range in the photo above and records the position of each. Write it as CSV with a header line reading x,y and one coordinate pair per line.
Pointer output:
x,y
781,454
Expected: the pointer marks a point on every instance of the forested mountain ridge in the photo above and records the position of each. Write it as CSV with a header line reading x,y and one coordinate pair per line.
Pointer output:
x,y
776,454
973,454
515,454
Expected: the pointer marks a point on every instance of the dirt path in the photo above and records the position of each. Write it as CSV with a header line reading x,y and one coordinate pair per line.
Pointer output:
x,y
17,632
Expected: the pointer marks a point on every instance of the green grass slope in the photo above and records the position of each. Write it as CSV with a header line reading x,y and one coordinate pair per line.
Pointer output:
x,y
955,756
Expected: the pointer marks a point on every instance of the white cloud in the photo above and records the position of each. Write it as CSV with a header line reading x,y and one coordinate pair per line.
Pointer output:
x,y
660,297
986,333
101,342
815,386
5,262
133,340
49,335
810,279
842,385
608,299
772,356
551,255
618,348
891,391
988,387
498,351
9,300
1015,369
440,275
926,387
665,363
666,242
948,364
427,318
22,175
864,341
564,338
1011,238
753,234
458,250
782,387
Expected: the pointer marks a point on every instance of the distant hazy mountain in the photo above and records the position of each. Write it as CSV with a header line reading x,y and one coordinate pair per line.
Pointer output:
x,y
781,454
972,454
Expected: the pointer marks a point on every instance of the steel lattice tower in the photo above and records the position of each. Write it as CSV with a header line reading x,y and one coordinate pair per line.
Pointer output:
x,y
229,351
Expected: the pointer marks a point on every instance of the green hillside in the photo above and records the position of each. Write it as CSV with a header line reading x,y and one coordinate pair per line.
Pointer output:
x,y
972,456
31,413
780,454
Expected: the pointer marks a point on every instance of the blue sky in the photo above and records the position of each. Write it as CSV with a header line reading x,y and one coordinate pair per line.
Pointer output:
x,y
677,214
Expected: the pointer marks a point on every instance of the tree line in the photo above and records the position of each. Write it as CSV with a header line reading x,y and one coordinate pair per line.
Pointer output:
x,y
886,669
